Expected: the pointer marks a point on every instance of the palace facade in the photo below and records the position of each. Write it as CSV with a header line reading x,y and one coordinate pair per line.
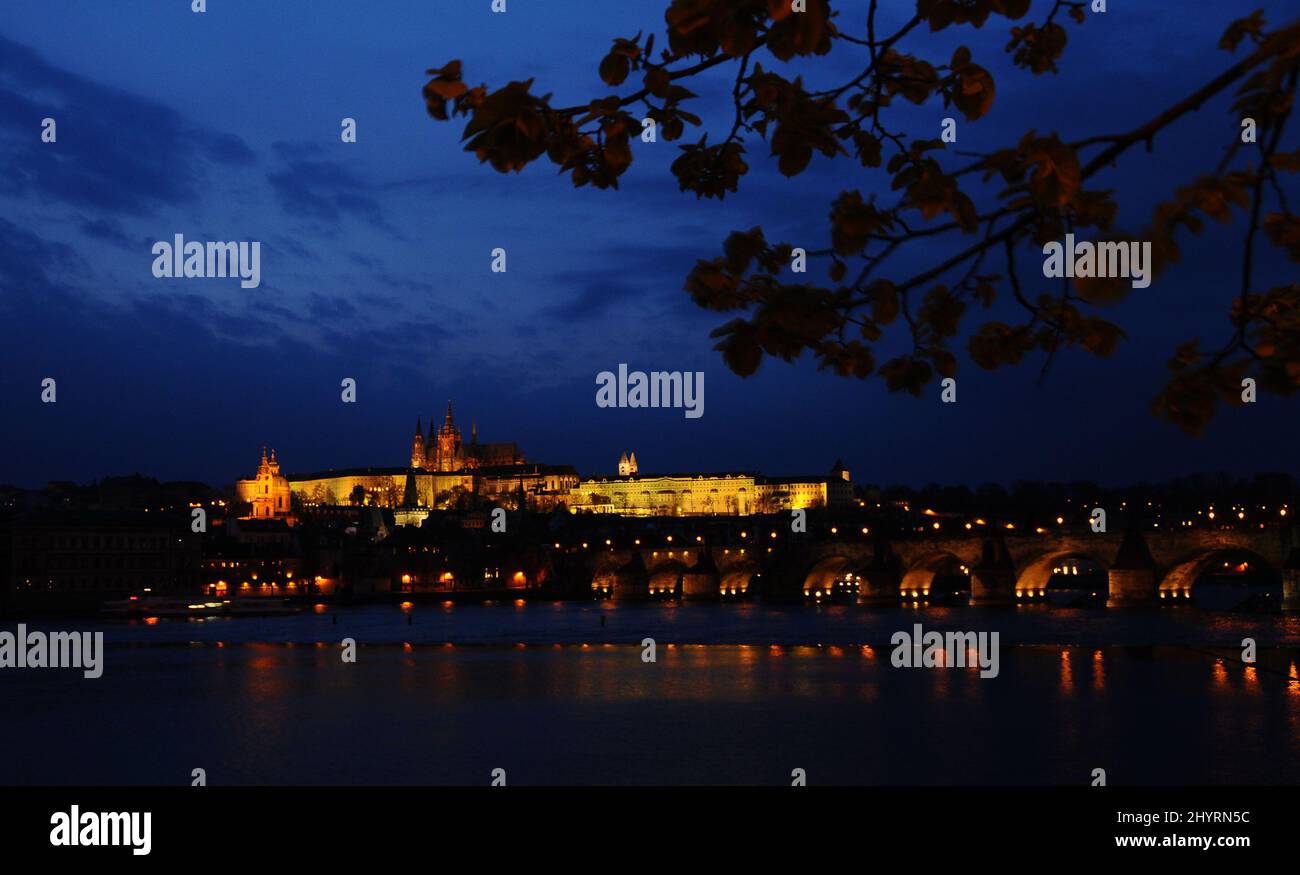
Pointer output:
x,y
738,494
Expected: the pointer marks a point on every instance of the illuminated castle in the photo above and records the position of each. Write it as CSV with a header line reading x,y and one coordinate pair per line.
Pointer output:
x,y
445,472
444,450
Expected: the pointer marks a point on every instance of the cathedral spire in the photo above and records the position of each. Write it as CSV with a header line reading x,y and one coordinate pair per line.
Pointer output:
x,y
418,453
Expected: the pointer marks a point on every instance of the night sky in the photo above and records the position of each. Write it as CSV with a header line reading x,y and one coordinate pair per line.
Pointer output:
x,y
375,255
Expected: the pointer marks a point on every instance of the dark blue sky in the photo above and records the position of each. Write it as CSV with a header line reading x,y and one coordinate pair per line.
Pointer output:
x,y
375,261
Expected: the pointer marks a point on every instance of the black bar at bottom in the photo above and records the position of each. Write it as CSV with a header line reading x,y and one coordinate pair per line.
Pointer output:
x,y
639,827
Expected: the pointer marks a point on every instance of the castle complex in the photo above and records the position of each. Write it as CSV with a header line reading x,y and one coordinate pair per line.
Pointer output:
x,y
446,472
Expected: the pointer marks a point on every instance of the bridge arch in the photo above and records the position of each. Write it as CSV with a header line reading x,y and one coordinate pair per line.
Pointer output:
x,y
922,573
735,581
666,578
830,573
1181,579
1035,576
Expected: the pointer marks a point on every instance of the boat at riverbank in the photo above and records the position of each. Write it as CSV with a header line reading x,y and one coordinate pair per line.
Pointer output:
x,y
146,606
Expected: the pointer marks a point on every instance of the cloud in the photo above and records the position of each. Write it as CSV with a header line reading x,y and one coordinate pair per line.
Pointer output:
x,y
593,300
308,184
115,151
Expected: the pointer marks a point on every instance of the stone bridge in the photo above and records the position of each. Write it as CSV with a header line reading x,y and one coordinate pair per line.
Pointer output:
x,y
1141,567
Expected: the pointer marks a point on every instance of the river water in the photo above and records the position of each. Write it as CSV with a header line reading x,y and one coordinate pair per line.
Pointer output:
x,y
737,694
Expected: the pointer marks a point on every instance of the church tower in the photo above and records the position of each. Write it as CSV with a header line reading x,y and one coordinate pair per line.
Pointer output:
x,y
626,465
417,446
268,492
449,448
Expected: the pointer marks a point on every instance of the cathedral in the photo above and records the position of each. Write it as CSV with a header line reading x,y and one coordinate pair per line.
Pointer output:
x,y
444,450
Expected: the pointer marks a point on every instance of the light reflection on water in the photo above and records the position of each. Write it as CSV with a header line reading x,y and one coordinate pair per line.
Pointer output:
x,y
600,623
429,714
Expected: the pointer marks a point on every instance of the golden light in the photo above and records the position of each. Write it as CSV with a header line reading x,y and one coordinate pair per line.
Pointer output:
x,y
835,531
406,578
406,606
1060,520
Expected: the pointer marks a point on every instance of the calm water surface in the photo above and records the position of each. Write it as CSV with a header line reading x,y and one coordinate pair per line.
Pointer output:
x,y
739,695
